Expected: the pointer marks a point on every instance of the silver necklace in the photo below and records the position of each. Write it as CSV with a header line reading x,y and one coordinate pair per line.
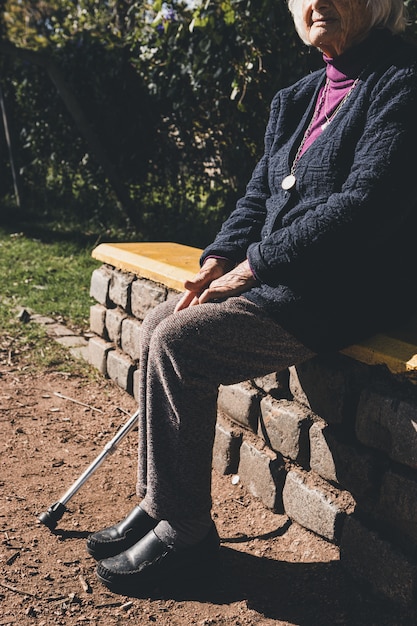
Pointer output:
x,y
339,106
289,181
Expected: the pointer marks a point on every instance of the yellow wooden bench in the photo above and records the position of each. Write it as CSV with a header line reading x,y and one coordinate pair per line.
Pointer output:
x,y
171,264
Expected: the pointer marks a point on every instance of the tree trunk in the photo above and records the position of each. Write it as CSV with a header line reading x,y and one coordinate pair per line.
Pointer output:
x,y
9,148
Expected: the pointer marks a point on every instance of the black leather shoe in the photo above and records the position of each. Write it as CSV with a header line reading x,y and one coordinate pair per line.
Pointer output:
x,y
115,539
151,561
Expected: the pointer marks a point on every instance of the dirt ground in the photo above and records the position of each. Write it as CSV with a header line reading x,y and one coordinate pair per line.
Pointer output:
x,y
271,571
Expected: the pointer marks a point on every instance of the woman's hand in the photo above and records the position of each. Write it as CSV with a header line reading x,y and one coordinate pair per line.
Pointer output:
x,y
216,281
212,269
235,282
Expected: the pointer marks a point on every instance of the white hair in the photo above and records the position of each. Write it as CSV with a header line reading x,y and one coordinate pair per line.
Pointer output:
x,y
390,14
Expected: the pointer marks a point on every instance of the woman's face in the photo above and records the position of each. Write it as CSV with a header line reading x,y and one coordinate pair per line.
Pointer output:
x,y
335,25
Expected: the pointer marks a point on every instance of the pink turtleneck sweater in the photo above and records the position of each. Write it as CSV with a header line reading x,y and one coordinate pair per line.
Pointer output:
x,y
341,74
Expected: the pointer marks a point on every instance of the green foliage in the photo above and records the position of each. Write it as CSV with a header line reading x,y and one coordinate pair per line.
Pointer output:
x,y
174,93
177,94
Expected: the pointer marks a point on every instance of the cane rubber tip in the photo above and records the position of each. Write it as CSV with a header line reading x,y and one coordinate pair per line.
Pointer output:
x,y
51,517
47,520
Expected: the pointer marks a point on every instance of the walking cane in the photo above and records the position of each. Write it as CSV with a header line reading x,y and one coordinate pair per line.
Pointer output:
x,y
51,517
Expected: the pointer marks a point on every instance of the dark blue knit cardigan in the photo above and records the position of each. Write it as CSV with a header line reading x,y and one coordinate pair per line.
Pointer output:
x,y
336,256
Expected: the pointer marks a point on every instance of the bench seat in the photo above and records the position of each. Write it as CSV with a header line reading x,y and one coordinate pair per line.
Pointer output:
x,y
170,264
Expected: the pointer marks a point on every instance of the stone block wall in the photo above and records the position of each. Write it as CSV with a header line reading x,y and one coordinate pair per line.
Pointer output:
x,y
331,443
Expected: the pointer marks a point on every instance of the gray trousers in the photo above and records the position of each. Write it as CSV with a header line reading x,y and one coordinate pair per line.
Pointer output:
x,y
184,358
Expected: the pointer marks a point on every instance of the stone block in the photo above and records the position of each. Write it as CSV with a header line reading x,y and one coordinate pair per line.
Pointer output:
x,y
80,352
314,504
226,448
240,402
135,385
321,457
100,283
398,504
114,319
329,385
98,320
98,350
388,423
130,338
376,563
275,384
172,293
284,426
58,330
352,466
40,319
263,475
120,369
295,387
145,295
120,288
72,341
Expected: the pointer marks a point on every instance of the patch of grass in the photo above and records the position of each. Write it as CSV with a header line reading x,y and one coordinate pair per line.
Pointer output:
x,y
51,279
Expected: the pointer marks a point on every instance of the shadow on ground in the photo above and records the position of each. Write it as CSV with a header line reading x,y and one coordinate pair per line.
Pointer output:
x,y
306,594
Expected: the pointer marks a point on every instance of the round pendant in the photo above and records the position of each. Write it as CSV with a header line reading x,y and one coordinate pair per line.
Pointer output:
x,y
288,182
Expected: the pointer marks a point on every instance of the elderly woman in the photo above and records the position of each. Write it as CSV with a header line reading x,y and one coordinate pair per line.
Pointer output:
x,y
317,254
